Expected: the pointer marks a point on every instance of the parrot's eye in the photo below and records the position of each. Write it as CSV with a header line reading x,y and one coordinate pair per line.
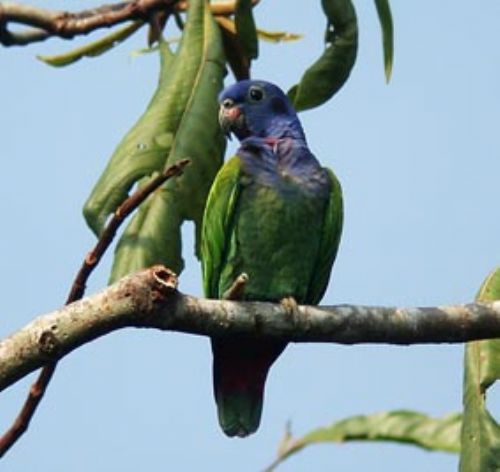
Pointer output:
x,y
256,94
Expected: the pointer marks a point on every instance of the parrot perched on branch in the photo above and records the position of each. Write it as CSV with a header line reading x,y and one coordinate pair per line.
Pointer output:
x,y
276,215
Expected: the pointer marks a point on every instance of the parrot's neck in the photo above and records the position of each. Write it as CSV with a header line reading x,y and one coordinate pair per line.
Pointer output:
x,y
285,127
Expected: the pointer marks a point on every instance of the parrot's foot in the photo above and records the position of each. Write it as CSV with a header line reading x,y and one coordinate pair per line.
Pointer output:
x,y
237,290
290,305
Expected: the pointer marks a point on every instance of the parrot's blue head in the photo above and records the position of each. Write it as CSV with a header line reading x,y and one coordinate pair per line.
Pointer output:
x,y
255,108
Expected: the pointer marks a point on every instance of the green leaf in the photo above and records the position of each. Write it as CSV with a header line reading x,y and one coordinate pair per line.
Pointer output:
x,y
236,58
277,36
265,35
93,49
402,426
480,432
329,73
180,122
385,18
148,50
246,29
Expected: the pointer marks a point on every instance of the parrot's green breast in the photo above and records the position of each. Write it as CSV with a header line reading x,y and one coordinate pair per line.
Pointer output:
x,y
275,239
278,218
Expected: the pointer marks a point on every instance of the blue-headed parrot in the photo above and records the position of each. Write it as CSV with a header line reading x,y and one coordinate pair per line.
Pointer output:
x,y
275,214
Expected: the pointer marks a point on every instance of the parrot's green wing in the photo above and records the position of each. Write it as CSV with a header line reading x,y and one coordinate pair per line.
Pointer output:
x,y
329,242
217,224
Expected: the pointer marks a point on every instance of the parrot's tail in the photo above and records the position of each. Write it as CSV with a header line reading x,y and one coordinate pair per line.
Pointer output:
x,y
240,370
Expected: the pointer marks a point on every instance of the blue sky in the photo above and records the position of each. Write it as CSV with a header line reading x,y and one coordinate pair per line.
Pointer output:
x,y
419,163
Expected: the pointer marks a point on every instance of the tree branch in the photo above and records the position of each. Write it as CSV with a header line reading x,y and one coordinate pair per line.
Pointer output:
x,y
45,23
38,388
149,299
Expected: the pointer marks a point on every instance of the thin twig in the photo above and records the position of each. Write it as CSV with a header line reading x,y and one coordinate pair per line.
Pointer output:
x,y
127,207
22,38
22,421
39,387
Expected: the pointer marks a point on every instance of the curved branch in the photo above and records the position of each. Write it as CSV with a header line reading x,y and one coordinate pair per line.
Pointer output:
x,y
149,299
45,23
66,24
21,38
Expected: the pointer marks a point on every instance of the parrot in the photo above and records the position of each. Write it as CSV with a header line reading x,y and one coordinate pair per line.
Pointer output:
x,y
273,213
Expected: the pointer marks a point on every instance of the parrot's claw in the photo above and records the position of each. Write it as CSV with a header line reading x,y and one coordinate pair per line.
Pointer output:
x,y
237,290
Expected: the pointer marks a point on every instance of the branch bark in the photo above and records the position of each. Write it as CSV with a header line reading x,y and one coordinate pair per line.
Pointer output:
x,y
45,23
149,299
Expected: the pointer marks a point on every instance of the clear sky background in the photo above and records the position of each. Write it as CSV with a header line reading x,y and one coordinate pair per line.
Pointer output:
x,y
419,163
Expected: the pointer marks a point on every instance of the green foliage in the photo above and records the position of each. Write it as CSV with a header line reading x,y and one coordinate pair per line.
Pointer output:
x,y
329,73
481,433
409,427
180,122
184,105
385,17
93,49
246,29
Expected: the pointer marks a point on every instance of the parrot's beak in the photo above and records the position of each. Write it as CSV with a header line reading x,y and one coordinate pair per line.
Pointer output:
x,y
231,118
